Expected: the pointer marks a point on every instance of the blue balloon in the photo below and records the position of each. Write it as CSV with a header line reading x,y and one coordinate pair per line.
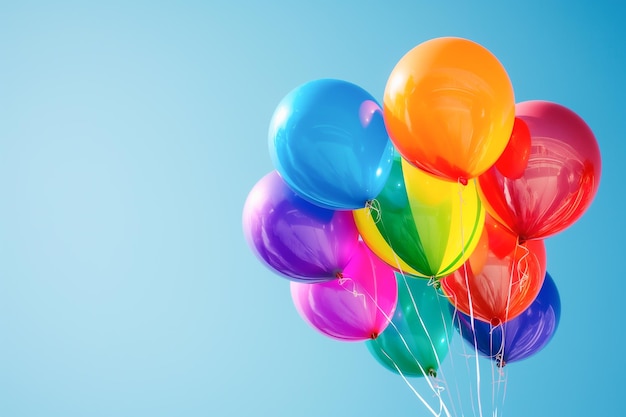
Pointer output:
x,y
523,335
328,141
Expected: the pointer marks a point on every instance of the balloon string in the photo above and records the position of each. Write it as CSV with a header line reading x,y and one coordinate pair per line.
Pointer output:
x,y
419,316
465,354
374,211
374,298
471,307
343,280
442,406
523,267
498,373
493,371
451,356
435,389
441,375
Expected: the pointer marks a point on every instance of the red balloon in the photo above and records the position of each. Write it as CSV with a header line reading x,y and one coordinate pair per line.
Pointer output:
x,y
560,179
500,240
514,159
505,287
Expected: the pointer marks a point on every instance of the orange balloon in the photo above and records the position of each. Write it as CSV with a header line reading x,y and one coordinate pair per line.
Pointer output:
x,y
449,108
504,287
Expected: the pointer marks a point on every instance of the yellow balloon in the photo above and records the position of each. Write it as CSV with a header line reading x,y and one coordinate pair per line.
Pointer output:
x,y
421,224
449,108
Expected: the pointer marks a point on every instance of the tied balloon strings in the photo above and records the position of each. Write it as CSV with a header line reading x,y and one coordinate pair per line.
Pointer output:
x,y
373,207
521,268
436,389
441,296
343,281
373,210
464,354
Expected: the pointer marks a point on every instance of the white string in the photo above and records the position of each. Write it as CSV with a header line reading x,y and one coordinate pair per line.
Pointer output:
x,y
417,394
471,310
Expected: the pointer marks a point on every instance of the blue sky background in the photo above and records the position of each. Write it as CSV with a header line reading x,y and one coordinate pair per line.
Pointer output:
x,y
130,135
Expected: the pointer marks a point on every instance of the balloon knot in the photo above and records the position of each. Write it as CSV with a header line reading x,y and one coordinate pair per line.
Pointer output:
x,y
500,362
463,181
432,373
373,210
373,335
495,321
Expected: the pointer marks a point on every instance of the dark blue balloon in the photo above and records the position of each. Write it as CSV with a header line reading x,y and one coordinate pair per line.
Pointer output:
x,y
328,141
523,335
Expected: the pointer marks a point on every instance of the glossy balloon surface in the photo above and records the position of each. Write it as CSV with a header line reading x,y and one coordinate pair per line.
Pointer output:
x,y
294,237
418,338
357,305
422,224
328,140
521,337
449,108
560,180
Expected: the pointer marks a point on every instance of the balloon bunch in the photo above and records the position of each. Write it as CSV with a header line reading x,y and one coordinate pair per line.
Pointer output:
x,y
391,220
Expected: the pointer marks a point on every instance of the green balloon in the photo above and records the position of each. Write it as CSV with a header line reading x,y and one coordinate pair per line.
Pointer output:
x,y
430,224
417,340
397,222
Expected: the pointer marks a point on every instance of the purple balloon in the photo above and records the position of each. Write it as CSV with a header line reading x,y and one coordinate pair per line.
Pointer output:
x,y
524,335
354,307
295,238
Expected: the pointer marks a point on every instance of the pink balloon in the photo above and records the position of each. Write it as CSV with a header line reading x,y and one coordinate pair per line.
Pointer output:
x,y
560,180
354,307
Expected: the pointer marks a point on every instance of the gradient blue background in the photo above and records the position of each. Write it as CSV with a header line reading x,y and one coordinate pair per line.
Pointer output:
x,y
130,135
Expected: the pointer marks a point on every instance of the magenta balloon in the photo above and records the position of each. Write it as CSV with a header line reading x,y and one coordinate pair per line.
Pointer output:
x,y
355,307
294,238
560,180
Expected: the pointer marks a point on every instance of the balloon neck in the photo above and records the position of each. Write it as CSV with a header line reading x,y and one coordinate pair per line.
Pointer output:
x,y
462,181
373,335
500,362
495,322
432,373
